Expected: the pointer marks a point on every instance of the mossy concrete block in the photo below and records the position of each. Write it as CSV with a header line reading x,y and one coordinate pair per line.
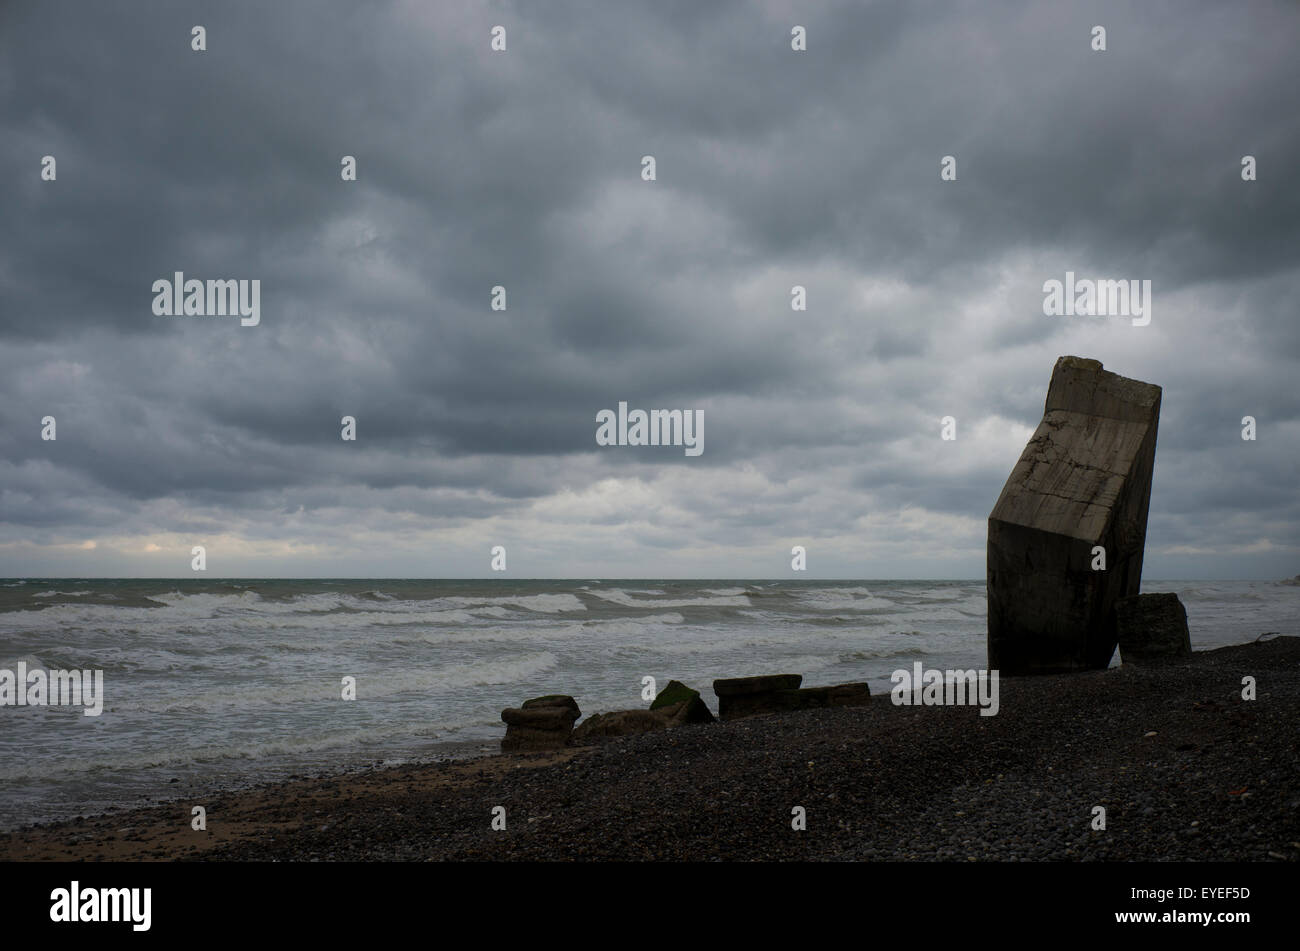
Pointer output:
x,y
694,709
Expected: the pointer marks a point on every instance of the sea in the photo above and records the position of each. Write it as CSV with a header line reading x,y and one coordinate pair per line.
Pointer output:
x,y
220,684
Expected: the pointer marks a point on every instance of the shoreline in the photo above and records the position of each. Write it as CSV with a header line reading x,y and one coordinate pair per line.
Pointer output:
x,y
162,832
165,793
1184,767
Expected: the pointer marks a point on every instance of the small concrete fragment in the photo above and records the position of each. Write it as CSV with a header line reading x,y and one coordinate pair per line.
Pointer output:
x,y
1152,628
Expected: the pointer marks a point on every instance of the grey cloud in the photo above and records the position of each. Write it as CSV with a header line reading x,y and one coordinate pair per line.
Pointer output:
x,y
522,169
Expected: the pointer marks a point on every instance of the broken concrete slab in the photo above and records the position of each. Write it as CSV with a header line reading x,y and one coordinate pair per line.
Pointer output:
x,y
747,696
621,723
1083,482
777,693
837,695
1152,628
683,706
742,686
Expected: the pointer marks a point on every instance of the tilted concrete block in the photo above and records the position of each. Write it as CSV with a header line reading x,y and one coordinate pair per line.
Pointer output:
x,y
1083,481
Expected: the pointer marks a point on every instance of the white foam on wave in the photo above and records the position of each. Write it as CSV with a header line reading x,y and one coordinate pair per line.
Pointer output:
x,y
205,602
189,615
946,613
596,629
795,664
638,626
624,598
537,603
544,603
370,685
352,620
842,599
181,612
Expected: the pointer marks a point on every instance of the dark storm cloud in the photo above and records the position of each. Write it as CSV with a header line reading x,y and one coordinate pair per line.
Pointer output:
x,y
522,169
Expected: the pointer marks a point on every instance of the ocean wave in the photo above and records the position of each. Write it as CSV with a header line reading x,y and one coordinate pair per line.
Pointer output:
x,y
197,614
370,684
854,657
179,757
795,664
843,599
596,629
632,625
543,603
624,598
31,660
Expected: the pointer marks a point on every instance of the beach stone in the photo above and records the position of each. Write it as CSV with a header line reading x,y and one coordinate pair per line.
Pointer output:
x,y
542,723
1152,627
694,709
1083,480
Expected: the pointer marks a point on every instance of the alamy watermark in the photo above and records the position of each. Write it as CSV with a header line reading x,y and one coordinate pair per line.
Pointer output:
x,y
55,688
658,427
1100,298
938,688
75,903
195,298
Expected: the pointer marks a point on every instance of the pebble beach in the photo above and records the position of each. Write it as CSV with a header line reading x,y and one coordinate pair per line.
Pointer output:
x,y
1184,767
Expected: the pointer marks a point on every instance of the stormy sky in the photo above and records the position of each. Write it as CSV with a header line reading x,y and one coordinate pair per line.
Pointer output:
x,y
523,169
